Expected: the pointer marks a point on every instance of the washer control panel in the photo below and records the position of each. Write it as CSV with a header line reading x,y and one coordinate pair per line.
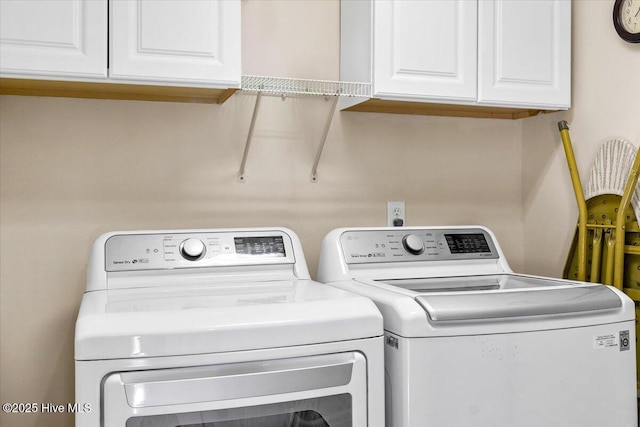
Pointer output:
x,y
407,245
127,252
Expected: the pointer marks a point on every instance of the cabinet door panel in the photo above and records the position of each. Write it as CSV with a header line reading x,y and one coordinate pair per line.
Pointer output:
x,y
425,49
525,53
191,41
62,38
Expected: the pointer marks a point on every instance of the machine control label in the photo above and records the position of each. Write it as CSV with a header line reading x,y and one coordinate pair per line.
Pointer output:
x,y
606,341
624,341
391,341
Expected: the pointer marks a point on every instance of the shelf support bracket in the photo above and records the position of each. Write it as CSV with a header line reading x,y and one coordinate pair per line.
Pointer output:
x,y
287,87
323,139
256,107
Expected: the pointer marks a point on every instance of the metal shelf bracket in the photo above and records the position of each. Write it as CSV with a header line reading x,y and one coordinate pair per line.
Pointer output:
x,y
287,87
247,145
323,139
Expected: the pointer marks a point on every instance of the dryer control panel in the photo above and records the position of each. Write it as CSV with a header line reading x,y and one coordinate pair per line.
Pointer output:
x,y
410,245
127,252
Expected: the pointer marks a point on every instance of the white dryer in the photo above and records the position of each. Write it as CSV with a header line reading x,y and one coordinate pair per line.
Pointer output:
x,y
470,343
222,328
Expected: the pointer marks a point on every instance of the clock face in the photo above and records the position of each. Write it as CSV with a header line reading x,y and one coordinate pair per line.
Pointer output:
x,y
626,19
630,16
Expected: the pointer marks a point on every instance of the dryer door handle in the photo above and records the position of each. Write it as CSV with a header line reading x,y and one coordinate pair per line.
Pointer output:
x,y
236,380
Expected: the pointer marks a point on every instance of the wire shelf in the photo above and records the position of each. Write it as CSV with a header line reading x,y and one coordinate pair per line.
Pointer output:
x,y
288,87
296,87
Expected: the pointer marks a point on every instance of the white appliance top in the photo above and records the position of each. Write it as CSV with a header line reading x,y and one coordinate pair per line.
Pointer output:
x,y
164,293
430,281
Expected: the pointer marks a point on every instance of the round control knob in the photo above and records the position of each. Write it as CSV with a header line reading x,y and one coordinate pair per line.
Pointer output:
x,y
413,244
192,249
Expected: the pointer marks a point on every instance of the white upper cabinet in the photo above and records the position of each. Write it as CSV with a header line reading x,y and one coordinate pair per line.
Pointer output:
x,y
525,52
161,43
179,41
425,48
65,38
502,54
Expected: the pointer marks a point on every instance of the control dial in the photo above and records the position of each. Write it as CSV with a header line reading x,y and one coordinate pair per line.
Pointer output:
x,y
192,249
413,244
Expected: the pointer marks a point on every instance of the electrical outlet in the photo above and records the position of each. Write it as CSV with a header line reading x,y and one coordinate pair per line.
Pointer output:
x,y
396,214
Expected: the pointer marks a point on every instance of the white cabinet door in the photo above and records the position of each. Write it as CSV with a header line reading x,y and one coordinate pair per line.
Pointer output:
x,y
524,50
425,50
53,38
186,41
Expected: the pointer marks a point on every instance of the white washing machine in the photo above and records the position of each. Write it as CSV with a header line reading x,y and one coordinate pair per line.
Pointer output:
x,y
222,328
471,344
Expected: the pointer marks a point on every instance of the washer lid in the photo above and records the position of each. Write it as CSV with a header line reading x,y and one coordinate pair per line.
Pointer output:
x,y
505,296
154,322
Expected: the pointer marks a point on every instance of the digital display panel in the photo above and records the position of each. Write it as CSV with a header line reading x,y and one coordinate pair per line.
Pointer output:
x,y
268,245
467,243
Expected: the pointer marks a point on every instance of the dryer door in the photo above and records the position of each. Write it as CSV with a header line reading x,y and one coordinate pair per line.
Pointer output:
x,y
314,391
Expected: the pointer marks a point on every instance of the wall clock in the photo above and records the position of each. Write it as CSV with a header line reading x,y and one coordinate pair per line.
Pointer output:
x,y
626,19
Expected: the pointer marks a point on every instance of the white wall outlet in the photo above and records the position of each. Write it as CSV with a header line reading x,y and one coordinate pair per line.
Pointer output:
x,y
396,214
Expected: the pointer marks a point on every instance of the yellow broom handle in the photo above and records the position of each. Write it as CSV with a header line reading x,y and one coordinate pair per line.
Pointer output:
x,y
582,205
618,275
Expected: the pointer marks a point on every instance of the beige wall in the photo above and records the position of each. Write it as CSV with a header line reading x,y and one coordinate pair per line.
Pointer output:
x,y
73,169
606,104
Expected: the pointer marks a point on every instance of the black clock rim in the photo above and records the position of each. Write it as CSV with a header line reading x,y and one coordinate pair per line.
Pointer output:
x,y
617,23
